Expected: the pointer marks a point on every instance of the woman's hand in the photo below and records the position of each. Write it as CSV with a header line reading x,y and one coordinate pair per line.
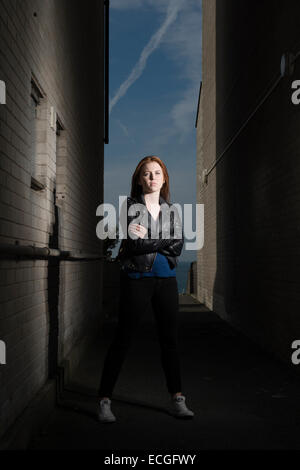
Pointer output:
x,y
138,230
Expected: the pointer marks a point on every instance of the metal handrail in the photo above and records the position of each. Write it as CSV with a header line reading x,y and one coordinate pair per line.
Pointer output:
x,y
286,69
234,138
8,251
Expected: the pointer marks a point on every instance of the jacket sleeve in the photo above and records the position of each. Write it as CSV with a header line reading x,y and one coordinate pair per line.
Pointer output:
x,y
169,247
172,248
143,246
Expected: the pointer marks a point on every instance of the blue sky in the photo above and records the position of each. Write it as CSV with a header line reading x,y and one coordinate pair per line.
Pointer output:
x,y
155,73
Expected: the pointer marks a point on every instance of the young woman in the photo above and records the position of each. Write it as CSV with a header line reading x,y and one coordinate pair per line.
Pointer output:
x,y
148,274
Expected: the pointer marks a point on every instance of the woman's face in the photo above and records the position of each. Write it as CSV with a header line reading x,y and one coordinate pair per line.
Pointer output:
x,y
151,177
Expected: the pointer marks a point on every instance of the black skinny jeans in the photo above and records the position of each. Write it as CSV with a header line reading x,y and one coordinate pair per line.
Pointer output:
x,y
135,296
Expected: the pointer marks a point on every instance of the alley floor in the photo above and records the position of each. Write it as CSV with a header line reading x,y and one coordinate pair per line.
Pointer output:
x,y
242,398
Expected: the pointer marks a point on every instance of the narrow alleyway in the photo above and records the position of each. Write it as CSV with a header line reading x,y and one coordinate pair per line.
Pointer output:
x,y
241,397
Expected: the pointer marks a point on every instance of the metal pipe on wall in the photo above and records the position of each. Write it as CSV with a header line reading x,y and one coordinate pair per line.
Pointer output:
x,y
9,251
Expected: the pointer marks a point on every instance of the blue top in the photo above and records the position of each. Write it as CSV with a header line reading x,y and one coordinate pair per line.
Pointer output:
x,y
160,268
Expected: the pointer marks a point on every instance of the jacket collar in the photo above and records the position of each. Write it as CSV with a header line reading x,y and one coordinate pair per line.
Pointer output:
x,y
141,199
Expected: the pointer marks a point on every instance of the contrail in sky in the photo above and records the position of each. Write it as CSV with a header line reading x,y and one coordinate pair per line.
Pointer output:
x,y
172,12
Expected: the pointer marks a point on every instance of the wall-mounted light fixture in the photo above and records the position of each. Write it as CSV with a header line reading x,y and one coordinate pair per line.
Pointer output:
x,y
204,177
2,92
53,118
2,352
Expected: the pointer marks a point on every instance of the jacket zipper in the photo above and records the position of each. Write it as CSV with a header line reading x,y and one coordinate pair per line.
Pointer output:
x,y
149,217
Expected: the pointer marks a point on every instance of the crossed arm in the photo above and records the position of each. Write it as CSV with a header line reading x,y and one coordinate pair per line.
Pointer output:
x,y
171,247
165,246
141,245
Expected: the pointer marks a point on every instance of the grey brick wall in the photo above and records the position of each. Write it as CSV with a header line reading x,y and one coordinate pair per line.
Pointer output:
x,y
60,44
249,270
206,156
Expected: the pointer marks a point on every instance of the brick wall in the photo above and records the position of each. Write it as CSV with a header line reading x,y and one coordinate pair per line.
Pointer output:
x,y
249,270
206,155
59,45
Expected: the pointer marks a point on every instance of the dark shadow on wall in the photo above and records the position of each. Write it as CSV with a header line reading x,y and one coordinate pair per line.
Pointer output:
x,y
53,297
257,197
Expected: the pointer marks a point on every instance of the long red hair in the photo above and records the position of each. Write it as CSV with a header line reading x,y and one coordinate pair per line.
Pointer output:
x,y
136,188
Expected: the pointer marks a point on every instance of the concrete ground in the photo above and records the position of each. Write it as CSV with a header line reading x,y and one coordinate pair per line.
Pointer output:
x,y
242,398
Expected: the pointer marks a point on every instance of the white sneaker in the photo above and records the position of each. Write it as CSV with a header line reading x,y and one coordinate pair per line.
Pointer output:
x,y
105,414
179,408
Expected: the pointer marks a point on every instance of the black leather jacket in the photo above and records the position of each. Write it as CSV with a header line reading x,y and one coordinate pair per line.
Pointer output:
x,y
139,254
